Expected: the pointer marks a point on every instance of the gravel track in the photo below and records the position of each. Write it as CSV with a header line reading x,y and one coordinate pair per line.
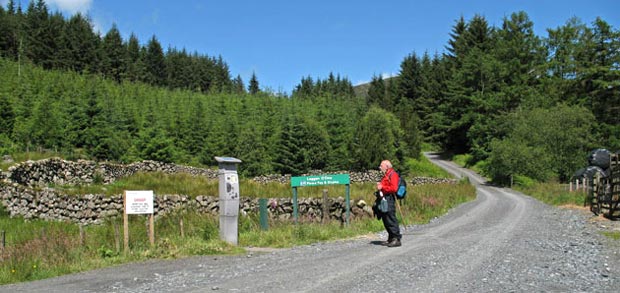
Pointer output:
x,y
503,241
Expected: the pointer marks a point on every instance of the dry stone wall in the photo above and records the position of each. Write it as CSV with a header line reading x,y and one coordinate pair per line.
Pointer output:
x,y
47,204
58,171
23,192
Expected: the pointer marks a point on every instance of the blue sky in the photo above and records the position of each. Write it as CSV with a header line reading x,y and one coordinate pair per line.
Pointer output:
x,y
285,40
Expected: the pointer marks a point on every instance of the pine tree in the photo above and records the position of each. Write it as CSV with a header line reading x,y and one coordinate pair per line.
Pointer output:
x,y
7,114
14,37
114,55
135,65
253,88
5,33
155,65
315,142
196,128
598,59
221,77
473,77
456,45
38,40
305,89
77,121
410,78
434,124
238,86
378,137
176,68
377,93
290,156
522,58
80,46
46,124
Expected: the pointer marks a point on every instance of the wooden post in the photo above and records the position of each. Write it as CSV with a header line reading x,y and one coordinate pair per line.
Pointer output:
x,y
125,223
577,184
325,207
152,229
570,186
181,227
117,236
82,241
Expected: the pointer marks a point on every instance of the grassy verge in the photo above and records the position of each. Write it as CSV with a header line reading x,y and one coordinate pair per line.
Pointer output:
x,y
466,161
424,168
553,194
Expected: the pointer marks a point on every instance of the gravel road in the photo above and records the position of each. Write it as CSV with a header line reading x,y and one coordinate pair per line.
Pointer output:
x,y
501,242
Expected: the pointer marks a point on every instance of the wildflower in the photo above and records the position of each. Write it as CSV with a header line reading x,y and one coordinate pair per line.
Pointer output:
x,y
34,266
13,271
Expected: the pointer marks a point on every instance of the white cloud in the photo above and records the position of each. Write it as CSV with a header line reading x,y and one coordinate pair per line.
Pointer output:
x,y
71,6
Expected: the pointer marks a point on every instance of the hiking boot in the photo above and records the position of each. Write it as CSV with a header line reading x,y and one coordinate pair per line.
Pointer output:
x,y
394,243
385,243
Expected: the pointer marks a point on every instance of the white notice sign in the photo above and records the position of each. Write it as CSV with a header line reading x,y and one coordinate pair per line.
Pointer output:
x,y
139,202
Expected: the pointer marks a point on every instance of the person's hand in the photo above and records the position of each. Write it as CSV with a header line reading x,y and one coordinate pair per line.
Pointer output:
x,y
379,186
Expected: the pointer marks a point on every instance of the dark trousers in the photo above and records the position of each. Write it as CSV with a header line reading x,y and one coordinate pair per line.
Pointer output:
x,y
389,219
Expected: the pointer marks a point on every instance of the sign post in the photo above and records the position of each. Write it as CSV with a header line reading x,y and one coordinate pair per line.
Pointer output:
x,y
138,202
319,180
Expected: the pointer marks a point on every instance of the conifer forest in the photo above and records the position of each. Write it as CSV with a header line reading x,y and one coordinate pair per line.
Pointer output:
x,y
517,103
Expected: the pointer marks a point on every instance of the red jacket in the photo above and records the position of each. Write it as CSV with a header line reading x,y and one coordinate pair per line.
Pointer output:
x,y
389,182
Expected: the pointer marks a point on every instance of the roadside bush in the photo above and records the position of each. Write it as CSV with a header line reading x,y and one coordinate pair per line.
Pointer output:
x,y
542,144
523,181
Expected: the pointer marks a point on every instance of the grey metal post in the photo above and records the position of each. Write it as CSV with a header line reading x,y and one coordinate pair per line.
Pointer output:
x,y
229,198
262,207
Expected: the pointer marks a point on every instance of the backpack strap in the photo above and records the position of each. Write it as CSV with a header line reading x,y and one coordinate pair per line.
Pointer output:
x,y
390,176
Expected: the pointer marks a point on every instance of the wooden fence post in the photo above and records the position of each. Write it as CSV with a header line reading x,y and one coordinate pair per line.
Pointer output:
x,y
181,227
82,236
326,216
117,237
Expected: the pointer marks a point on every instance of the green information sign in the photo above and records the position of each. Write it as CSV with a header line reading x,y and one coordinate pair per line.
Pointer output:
x,y
319,180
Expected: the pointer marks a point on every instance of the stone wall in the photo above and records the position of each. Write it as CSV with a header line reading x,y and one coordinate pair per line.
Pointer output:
x,y
23,192
47,204
58,171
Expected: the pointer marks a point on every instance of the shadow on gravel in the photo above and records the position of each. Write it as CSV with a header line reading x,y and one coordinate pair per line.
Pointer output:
x,y
378,242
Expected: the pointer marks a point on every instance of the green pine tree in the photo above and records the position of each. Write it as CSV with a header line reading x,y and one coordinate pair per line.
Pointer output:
x,y
114,60
253,88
